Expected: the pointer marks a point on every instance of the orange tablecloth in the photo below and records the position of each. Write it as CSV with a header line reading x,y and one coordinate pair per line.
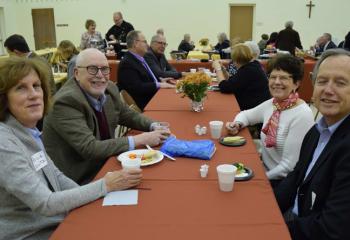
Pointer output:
x,y
180,204
168,99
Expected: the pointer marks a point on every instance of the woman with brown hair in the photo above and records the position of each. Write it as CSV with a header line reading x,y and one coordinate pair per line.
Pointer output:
x,y
92,38
34,195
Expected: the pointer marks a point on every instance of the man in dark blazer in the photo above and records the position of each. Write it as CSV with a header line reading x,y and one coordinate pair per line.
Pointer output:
x,y
315,197
134,74
156,60
325,43
288,39
79,131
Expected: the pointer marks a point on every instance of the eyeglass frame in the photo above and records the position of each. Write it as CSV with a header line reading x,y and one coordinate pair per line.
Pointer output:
x,y
281,78
165,44
97,68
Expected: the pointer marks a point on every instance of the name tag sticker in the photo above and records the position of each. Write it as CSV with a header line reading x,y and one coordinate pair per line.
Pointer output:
x,y
39,160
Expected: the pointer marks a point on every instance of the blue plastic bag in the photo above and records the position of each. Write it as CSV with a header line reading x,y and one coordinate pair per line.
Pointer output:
x,y
202,149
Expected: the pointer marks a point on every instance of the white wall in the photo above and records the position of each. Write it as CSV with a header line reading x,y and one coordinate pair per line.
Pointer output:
x,y
200,18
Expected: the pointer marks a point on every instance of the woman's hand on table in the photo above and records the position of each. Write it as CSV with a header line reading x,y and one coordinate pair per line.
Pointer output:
x,y
122,179
153,138
233,128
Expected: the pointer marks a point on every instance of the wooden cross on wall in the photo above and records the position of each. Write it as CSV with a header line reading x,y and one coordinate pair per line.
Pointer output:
x,y
310,5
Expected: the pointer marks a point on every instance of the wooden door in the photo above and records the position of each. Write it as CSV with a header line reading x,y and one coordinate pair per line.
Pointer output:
x,y
241,22
44,28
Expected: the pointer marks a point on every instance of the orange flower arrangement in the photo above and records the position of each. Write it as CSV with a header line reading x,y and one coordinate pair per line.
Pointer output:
x,y
194,86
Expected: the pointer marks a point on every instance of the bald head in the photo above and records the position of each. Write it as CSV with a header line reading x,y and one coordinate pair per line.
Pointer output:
x,y
85,56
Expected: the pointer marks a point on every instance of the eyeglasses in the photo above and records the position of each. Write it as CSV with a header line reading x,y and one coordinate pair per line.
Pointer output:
x,y
144,41
282,78
93,70
162,43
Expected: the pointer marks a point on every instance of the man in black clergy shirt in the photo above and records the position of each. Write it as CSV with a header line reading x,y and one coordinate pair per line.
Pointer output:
x,y
117,33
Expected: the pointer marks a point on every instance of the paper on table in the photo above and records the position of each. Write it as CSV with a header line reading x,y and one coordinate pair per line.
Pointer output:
x,y
127,197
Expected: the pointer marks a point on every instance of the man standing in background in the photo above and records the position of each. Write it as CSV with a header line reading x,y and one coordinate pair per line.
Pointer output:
x,y
116,35
288,39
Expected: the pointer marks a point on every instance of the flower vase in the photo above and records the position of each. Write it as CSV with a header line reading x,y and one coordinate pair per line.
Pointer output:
x,y
197,106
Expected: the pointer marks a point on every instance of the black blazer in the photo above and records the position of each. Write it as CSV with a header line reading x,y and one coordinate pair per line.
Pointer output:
x,y
329,179
287,40
135,79
249,85
160,66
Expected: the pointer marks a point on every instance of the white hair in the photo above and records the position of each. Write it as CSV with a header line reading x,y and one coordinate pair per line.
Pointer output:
x,y
253,46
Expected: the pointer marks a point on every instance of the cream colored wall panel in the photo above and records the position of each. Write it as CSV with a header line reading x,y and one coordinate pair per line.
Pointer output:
x,y
197,17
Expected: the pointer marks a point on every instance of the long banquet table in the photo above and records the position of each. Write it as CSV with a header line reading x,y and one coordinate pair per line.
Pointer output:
x,y
305,89
181,204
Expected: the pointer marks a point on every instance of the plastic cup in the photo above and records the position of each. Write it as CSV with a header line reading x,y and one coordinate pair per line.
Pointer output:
x,y
226,176
215,129
131,163
162,126
193,70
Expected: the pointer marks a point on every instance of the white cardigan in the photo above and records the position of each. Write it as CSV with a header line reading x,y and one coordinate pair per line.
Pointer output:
x,y
293,125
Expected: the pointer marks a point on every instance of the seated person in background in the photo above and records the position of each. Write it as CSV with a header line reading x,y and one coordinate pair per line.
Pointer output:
x,y
66,51
92,38
79,131
345,44
324,42
271,43
249,84
286,118
222,44
186,44
35,195
16,45
314,198
134,74
156,60
263,42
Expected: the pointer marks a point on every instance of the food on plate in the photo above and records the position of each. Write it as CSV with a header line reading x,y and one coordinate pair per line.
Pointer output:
x,y
132,155
235,139
146,157
240,168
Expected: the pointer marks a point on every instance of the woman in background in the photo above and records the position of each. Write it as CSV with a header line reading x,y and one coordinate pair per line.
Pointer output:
x,y
34,195
63,58
249,84
286,118
92,38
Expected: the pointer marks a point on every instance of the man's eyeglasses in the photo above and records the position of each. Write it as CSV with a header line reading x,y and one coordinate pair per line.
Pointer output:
x,y
162,43
93,70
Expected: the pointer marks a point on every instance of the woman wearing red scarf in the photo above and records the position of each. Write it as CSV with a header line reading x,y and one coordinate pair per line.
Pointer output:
x,y
286,118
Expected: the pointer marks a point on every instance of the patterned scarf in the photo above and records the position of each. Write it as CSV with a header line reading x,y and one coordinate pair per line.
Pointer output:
x,y
271,127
